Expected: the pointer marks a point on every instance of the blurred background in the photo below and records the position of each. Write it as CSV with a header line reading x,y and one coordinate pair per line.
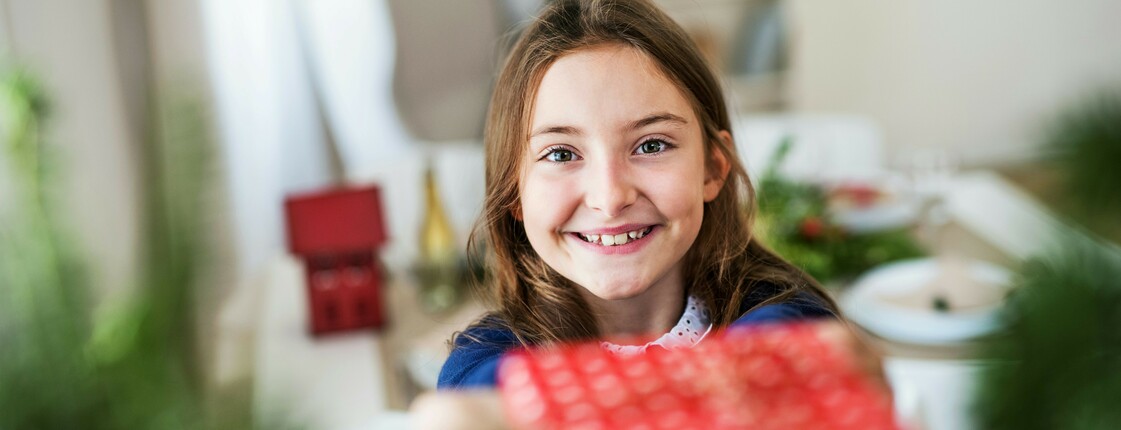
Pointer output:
x,y
949,114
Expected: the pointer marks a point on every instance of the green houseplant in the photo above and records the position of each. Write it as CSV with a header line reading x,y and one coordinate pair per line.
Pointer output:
x,y
135,366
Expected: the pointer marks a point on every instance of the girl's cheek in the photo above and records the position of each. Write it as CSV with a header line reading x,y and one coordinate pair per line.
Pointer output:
x,y
544,201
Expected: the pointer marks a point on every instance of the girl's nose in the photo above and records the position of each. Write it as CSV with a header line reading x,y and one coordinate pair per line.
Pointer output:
x,y
609,189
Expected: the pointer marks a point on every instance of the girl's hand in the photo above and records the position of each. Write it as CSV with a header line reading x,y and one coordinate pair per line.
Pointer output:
x,y
462,410
853,342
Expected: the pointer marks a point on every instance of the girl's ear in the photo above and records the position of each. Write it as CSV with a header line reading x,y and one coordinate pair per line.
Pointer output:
x,y
717,168
517,212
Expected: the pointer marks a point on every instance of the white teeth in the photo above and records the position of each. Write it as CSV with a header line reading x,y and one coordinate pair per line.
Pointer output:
x,y
615,239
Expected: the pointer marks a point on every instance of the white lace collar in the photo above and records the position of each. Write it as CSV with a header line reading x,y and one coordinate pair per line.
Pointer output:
x,y
690,329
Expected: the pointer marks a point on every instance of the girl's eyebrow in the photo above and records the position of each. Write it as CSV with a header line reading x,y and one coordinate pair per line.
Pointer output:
x,y
558,129
658,118
644,122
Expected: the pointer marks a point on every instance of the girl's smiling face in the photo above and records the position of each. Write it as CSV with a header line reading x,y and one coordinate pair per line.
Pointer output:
x,y
613,182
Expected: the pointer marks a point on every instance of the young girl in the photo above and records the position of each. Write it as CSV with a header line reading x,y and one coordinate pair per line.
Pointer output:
x,y
616,205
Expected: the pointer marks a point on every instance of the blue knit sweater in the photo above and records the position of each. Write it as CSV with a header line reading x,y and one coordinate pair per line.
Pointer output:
x,y
474,358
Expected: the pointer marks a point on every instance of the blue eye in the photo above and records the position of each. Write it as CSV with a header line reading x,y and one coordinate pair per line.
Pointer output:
x,y
560,155
652,146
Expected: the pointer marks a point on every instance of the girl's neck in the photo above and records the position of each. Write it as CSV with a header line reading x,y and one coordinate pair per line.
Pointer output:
x,y
651,313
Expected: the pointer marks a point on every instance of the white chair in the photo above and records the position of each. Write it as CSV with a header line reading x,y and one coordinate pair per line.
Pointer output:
x,y
826,147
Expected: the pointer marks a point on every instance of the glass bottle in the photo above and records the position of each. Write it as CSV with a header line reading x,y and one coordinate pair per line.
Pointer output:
x,y
439,274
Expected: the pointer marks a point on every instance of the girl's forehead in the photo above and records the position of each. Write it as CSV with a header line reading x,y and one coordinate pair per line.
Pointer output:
x,y
613,83
621,63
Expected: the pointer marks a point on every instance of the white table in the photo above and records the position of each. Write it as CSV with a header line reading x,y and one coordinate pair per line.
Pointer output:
x,y
991,220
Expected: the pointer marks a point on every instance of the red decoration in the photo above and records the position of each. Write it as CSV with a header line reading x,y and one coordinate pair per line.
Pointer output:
x,y
812,227
336,233
861,195
766,377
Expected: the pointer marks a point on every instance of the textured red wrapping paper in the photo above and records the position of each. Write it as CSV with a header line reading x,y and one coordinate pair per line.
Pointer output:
x,y
764,377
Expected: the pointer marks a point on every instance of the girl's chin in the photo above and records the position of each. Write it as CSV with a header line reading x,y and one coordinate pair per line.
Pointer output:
x,y
610,291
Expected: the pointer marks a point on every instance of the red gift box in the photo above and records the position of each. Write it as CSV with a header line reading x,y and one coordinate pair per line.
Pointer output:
x,y
766,377
336,234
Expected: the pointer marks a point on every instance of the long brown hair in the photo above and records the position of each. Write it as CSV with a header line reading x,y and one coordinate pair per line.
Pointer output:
x,y
725,263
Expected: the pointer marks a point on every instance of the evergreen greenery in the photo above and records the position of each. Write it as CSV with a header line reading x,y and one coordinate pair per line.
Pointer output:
x,y
794,221
1059,364
1086,137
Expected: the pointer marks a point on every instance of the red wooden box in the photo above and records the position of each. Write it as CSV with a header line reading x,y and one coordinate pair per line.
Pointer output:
x,y
336,233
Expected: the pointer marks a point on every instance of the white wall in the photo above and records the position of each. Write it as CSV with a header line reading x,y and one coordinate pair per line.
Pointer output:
x,y
976,77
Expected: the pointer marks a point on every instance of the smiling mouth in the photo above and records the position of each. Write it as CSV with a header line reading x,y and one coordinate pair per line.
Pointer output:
x,y
616,239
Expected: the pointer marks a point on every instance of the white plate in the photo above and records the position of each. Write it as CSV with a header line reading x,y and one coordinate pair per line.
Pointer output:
x,y
893,207
878,217
863,303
